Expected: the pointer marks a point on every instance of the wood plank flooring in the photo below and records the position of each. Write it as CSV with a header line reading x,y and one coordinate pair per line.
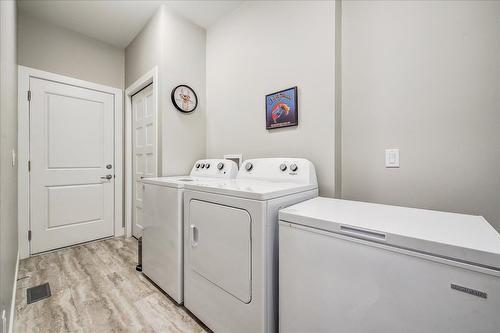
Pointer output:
x,y
95,288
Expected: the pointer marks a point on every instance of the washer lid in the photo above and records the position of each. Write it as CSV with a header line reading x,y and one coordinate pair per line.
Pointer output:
x,y
175,181
250,189
460,237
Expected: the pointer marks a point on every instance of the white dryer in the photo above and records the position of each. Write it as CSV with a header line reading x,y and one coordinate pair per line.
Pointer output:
x,y
162,248
230,242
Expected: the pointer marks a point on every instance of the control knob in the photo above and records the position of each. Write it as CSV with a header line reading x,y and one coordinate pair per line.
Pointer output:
x,y
283,167
203,165
220,166
293,167
207,165
197,165
249,166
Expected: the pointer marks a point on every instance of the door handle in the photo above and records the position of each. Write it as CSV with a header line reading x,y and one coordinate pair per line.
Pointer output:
x,y
108,177
194,235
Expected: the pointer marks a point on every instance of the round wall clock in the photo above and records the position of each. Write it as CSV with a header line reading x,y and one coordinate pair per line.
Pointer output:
x,y
184,98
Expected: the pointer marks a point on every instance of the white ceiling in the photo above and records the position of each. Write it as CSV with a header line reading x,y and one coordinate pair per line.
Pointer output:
x,y
114,22
203,13
118,21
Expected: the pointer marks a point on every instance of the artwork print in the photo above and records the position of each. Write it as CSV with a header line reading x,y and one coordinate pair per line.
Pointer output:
x,y
281,109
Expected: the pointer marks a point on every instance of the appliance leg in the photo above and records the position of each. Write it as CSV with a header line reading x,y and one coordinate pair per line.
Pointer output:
x,y
139,259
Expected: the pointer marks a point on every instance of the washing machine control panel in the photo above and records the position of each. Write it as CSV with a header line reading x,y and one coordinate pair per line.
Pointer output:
x,y
215,168
296,170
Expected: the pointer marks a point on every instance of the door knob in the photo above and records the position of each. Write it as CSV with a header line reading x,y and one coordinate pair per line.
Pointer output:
x,y
108,177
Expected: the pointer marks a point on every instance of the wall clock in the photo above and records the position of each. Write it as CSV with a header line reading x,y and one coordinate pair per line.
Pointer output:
x,y
184,98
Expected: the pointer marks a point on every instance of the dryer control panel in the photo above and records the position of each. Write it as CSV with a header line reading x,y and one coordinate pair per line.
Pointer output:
x,y
293,170
215,168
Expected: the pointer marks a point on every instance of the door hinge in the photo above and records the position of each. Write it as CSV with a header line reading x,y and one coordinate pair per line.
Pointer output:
x,y
29,235
29,95
29,166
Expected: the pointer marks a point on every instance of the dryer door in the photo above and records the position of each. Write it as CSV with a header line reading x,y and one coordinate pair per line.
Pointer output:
x,y
221,247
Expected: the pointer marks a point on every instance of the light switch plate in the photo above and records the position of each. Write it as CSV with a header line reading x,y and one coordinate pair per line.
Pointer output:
x,y
392,158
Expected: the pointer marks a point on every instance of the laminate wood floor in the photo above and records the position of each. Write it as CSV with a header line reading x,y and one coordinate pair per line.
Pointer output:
x,y
95,288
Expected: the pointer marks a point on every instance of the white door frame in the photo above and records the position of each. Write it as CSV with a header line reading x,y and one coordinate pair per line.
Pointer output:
x,y
150,77
24,75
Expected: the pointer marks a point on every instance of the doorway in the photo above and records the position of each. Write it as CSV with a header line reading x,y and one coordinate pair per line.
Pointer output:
x,y
143,150
70,186
142,145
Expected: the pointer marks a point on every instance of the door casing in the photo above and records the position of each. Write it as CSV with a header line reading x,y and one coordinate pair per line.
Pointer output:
x,y
24,75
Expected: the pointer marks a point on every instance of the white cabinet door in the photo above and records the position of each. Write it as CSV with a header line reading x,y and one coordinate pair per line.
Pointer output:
x,y
71,149
220,247
144,149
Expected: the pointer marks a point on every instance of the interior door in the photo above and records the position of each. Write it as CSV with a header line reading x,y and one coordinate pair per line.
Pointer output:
x,y
144,149
72,171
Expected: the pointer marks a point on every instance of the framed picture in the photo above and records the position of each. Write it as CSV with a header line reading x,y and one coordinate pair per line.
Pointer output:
x,y
281,109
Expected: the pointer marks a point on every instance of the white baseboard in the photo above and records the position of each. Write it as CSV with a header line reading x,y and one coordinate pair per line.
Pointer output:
x,y
13,302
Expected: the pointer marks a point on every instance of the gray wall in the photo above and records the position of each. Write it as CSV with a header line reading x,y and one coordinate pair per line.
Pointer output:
x,y
184,135
144,52
177,47
263,47
43,45
423,77
8,142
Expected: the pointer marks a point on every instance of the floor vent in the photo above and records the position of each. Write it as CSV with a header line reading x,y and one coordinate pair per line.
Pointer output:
x,y
38,293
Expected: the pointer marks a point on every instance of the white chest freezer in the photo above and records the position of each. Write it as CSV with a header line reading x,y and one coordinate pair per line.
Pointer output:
x,y
348,266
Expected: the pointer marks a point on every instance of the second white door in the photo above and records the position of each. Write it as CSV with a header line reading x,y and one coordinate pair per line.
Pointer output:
x,y
144,145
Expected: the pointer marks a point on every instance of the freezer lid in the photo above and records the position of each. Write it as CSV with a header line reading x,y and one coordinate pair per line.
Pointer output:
x,y
459,237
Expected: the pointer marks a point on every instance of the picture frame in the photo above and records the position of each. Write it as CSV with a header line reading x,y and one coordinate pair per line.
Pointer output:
x,y
282,109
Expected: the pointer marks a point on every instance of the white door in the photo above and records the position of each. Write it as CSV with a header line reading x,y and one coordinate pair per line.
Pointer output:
x,y
144,149
71,150
221,247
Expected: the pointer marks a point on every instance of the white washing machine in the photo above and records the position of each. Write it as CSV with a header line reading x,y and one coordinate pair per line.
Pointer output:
x,y
230,242
347,266
162,247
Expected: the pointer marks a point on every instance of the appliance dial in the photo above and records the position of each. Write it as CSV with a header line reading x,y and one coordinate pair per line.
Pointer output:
x,y
197,165
203,165
220,166
249,166
283,167
207,165
293,167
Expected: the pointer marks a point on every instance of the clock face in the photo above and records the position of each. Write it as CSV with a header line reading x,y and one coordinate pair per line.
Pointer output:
x,y
184,98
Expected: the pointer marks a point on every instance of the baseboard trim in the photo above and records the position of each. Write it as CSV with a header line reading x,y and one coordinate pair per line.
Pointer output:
x,y
13,301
